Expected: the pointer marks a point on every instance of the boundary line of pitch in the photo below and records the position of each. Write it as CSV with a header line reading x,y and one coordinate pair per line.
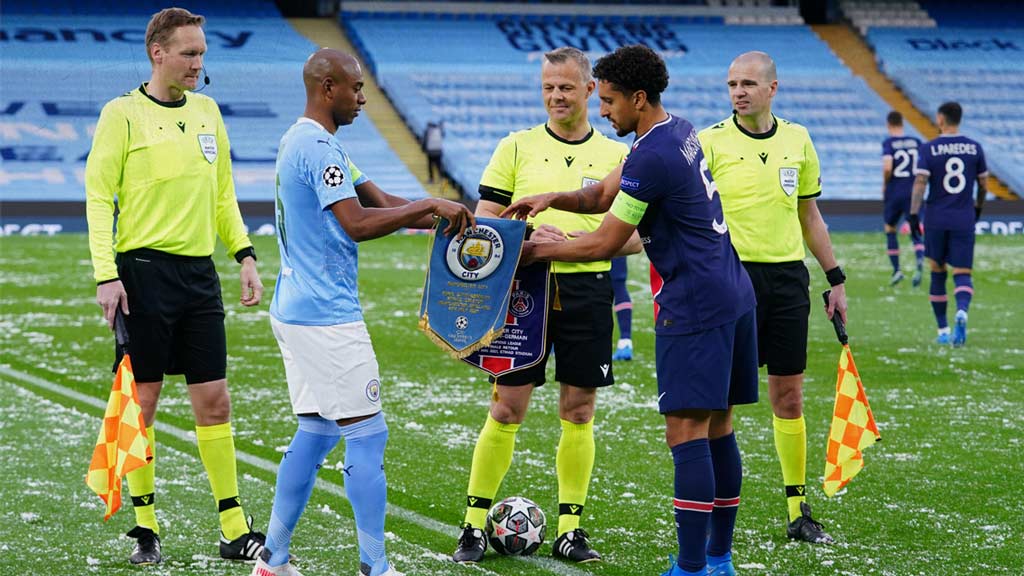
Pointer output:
x,y
548,564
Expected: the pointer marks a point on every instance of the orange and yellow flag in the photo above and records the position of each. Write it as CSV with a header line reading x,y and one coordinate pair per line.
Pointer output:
x,y
853,427
122,445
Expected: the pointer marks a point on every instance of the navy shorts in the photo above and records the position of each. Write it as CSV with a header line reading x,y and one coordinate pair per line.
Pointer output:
x,y
581,333
176,316
895,208
709,370
953,247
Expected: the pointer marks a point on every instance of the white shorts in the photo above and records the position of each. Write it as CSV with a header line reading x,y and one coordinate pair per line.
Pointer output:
x,y
331,370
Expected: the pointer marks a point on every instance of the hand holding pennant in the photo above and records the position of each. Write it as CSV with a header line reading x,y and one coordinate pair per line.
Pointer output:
x,y
122,445
853,424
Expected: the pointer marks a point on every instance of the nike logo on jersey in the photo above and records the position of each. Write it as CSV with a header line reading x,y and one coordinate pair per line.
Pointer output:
x,y
569,160
604,369
660,396
764,157
720,227
181,126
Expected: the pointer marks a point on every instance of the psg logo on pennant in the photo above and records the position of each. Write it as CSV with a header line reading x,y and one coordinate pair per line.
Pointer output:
x,y
208,146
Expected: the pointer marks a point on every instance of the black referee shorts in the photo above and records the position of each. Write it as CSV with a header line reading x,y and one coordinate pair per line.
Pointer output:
x,y
176,316
581,333
783,306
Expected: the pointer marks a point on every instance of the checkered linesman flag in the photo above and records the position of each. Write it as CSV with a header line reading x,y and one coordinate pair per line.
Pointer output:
x,y
122,445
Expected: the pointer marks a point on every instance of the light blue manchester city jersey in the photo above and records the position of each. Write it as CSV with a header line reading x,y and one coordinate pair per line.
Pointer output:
x,y
317,284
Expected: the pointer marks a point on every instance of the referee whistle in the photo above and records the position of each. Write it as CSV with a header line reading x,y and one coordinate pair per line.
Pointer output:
x,y
837,321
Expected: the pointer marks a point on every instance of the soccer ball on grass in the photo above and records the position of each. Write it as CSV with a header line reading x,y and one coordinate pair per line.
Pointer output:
x,y
516,526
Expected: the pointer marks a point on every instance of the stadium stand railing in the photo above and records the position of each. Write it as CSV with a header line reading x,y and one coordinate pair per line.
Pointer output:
x,y
68,65
481,78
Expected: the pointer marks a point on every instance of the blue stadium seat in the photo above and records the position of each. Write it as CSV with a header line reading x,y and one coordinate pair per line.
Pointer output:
x,y
94,58
481,79
979,67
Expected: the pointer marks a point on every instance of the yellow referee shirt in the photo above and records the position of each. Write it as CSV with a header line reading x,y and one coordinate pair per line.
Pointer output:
x,y
535,161
761,178
169,166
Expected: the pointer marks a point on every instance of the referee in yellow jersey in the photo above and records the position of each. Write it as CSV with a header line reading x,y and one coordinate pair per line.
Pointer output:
x,y
162,152
564,153
768,175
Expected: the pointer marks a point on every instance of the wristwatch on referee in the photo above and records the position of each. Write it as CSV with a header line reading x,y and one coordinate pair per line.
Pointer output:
x,y
835,276
241,254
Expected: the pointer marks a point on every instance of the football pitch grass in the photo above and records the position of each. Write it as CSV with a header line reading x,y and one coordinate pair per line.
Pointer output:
x,y
941,494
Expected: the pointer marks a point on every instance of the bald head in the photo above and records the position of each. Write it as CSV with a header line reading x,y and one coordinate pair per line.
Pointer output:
x,y
326,63
757,61
334,88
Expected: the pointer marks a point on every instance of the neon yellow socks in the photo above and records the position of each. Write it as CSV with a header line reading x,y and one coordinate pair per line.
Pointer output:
x,y
142,485
491,460
217,451
574,462
791,444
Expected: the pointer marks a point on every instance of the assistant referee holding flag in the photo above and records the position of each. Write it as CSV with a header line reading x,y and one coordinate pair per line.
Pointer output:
x,y
163,153
768,175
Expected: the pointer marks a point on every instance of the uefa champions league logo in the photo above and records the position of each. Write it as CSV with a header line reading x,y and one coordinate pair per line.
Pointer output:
x,y
477,255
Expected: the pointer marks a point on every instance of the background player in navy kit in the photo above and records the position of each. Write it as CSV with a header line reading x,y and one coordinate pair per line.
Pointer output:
x,y
949,165
623,306
899,156
706,338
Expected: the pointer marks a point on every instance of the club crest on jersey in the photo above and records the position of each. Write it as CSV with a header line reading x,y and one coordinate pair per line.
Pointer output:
x,y
373,390
208,146
333,176
477,255
789,179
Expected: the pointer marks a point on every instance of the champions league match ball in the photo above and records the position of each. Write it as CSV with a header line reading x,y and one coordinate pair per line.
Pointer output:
x,y
516,526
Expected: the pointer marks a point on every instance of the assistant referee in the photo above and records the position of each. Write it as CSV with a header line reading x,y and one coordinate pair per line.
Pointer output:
x,y
768,175
162,151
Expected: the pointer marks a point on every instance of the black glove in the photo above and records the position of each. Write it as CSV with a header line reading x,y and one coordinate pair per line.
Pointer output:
x,y
977,213
915,223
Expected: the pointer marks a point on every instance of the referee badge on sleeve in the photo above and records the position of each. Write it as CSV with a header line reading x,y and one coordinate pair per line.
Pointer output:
x,y
208,145
333,176
789,179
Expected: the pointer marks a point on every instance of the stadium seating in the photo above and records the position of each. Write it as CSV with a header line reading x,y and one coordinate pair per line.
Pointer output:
x,y
481,78
59,69
980,68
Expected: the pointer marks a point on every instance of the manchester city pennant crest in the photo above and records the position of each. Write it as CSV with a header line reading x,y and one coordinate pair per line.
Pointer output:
x,y
466,294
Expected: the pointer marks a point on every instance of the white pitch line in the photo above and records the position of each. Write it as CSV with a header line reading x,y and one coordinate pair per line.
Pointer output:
x,y
548,564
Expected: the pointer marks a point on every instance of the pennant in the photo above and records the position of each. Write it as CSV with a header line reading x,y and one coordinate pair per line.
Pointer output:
x,y
523,343
853,427
122,445
469,280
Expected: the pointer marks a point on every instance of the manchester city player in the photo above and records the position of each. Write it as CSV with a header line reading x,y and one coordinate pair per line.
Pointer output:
x,y
899,155
325,207
706,338
949,166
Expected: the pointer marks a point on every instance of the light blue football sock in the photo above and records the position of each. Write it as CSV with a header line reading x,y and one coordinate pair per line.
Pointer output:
x,y
367,487
314,439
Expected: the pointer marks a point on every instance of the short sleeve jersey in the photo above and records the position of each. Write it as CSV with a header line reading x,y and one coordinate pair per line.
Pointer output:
x,y
317,284
953,164
684,231
903,151
536,161
762,178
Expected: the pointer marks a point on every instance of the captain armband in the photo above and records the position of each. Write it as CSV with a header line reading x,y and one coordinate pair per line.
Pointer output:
x,y
628,209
